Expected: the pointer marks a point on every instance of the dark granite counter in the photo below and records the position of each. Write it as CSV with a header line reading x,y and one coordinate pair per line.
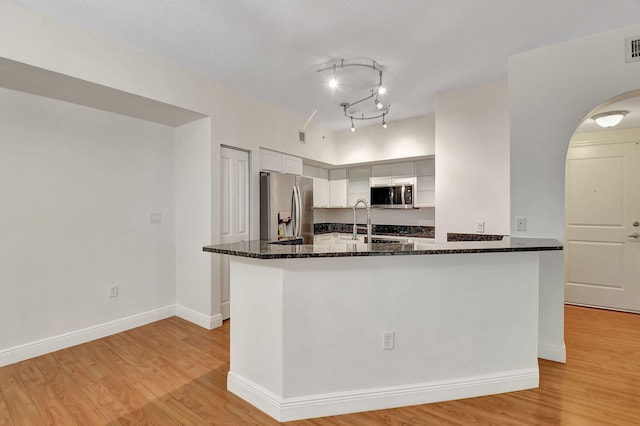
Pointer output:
x,y
264,250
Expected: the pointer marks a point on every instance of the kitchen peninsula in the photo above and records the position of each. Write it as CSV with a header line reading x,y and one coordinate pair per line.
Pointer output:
x,y
327,329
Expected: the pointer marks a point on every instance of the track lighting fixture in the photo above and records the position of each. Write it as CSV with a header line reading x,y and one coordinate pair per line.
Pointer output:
x,y
380,111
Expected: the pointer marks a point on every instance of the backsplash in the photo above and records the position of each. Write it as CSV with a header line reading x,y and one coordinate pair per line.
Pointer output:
x,y
452,236
395,230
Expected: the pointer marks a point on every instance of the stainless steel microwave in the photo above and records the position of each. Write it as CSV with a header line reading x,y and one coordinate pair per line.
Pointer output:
x,y
392,196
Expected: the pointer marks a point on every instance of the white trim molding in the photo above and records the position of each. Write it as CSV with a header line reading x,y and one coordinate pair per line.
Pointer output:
x,y
552,352
287,409
66,340
205,321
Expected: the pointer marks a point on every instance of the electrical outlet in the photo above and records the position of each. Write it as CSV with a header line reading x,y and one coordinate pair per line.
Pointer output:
x,y
156,218
113,290
388,340
521,223
480,226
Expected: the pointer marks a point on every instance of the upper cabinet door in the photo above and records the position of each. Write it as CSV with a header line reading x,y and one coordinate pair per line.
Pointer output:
x,y
338,187
273,161
426,183
291,165
270,161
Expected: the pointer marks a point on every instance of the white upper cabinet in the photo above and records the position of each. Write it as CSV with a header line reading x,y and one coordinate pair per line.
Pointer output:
x,y
291,164
358,184
321,197
426,183
345,186
338,187
282,163
270,161
321,193
393,174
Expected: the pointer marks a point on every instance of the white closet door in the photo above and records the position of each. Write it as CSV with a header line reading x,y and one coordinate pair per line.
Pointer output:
x,y
234,200
603,225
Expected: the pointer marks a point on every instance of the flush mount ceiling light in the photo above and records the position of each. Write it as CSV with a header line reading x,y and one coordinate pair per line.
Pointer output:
x,y
379,110
610,118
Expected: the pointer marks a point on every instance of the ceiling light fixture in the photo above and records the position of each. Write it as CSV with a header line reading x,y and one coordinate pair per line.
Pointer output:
x,y
384,123
610,118
380,111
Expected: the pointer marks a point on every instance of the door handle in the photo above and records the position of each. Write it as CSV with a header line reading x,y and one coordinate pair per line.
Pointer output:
x,y
634,235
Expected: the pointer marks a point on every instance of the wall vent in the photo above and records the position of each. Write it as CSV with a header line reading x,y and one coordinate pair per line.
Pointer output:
x,y
632,49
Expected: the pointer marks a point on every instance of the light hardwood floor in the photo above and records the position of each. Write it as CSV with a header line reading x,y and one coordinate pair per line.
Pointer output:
x,y
173,372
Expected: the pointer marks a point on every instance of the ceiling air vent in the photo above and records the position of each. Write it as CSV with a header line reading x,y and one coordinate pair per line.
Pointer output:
x,y
632,49
301,136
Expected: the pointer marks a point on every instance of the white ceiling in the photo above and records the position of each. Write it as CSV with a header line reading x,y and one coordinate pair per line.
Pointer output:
x,y
270,49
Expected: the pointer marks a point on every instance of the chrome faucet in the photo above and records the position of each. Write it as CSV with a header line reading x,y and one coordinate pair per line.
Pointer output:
x,y
355,226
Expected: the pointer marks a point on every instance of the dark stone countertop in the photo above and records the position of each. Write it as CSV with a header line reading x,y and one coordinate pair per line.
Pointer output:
x,y
264,250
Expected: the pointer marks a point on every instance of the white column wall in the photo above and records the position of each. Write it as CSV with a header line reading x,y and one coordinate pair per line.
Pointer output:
x,y
472,160
193,223
551,90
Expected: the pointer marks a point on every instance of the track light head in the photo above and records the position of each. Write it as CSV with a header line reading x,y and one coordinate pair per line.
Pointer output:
x,y
333,83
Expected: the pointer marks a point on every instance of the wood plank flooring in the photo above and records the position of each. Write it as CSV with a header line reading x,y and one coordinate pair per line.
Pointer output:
x,y
174,373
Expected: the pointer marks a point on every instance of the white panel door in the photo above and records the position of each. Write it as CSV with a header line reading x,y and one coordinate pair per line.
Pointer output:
x,y
234,201
603,226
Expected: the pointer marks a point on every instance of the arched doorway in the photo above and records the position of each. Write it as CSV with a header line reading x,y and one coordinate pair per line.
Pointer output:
x,y
602,210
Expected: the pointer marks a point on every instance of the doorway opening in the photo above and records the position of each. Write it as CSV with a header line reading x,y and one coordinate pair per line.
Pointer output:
x,y
602,210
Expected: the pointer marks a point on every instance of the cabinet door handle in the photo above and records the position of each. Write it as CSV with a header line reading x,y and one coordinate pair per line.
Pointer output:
x,y
634,235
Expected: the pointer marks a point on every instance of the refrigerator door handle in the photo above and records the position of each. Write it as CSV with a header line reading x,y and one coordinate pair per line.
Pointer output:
x,y
298,210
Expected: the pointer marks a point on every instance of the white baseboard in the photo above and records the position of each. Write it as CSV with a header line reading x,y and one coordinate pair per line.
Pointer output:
x,y
66,340
287,409
225,310
552,352
205,321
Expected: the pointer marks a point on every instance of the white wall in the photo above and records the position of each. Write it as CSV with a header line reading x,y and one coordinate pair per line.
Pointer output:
x,y
412,137
550,91
78,186
235,119
472,160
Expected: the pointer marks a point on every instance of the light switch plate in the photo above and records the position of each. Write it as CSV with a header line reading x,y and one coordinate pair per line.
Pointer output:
x,y
480,226
156,218
521,223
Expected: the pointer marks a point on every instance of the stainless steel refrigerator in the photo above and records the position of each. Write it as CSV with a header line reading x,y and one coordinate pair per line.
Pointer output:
x,y
286,208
